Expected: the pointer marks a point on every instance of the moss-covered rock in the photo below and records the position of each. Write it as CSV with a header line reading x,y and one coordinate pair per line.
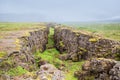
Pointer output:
x,y
83,44
3,54
97,68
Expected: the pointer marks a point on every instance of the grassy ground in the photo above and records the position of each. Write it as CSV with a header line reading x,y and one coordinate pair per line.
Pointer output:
x,y
6,28
18,26
111,30
52,56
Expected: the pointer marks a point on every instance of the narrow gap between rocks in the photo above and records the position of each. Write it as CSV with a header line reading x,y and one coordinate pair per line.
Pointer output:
x,y
51,55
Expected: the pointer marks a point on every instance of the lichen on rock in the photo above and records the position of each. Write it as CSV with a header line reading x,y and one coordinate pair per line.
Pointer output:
x,y
84,45
99,69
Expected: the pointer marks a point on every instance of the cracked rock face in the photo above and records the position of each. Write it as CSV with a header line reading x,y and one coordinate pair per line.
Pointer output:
x,y
115,72
50,72
80,45
99,69
25,44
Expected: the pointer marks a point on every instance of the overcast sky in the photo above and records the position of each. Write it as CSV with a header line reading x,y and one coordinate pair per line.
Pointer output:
x,y
58,10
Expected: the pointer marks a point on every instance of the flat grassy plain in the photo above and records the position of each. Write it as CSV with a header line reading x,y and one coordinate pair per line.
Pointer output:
x,y
106,30
6,28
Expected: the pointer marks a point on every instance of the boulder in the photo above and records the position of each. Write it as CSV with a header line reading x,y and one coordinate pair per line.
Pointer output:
x,y
115,72
50,72
99,69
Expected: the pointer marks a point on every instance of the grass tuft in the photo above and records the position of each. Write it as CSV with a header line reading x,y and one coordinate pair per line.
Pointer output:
x,y
17,71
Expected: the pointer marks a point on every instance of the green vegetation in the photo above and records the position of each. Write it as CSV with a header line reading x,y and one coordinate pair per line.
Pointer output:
x,y
117,55
5,28
7,63
110,30
90,78
50,39
17,26
93,40
17,71
82,49
72,67
105,30
52,56
2,54
61,44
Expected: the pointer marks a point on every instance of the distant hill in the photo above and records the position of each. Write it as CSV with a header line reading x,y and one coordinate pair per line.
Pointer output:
x,y
113,19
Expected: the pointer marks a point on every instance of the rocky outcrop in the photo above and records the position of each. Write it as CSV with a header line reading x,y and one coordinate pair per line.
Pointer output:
x,y
80,45
25,46
99,69
46,72
115,72
49,72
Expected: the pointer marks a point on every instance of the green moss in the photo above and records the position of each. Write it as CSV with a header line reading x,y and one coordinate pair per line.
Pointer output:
x,y
50,55
7,63
61,44
1,72
117,56
82,49
22,57
93,40
89,78
77,34
27,33
3,54
72,67
16,71
80,52
50,39
17,43
105,55
51,31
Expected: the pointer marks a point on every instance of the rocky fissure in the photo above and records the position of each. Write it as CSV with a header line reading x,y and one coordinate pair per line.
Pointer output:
x,y
99,54
80,45
84,46
99,69
26,45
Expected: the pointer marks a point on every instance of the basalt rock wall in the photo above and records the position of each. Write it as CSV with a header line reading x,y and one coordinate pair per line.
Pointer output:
x,y
80,45
26,46
36,41
99,69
